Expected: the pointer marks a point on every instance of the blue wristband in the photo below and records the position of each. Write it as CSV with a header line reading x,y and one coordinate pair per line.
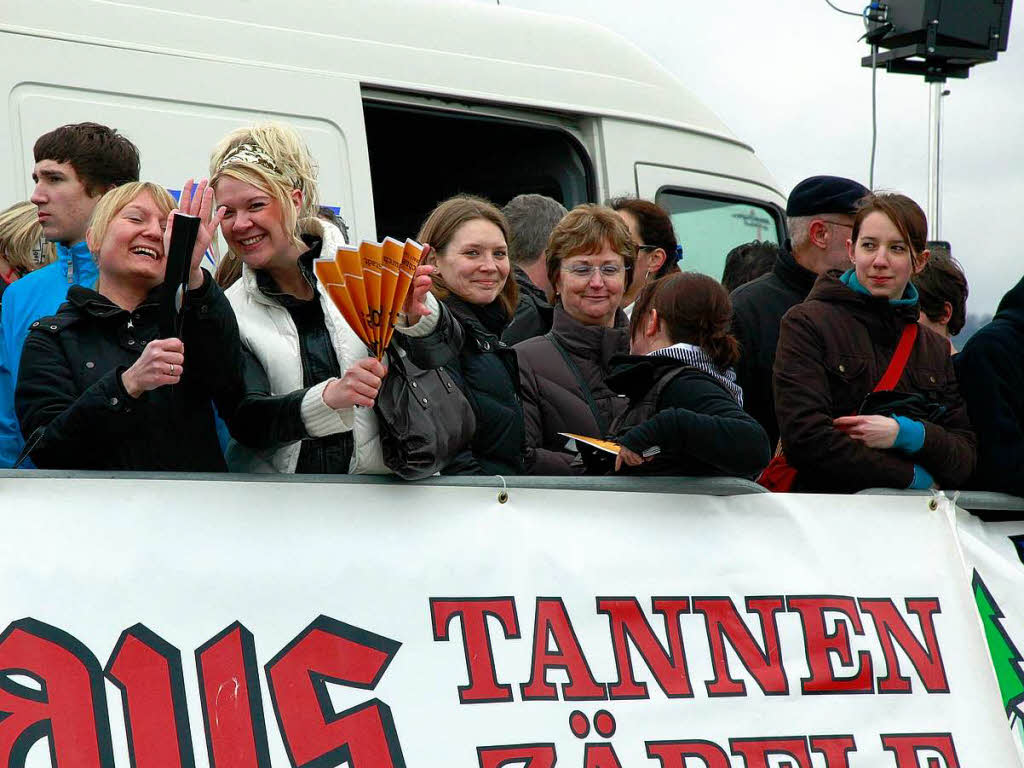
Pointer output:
x,y
911,435
922,479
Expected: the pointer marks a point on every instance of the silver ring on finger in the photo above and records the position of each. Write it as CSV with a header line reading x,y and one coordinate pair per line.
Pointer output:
x,y
171,369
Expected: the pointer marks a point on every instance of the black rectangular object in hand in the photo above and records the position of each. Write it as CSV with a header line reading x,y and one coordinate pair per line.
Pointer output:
x,y
184,232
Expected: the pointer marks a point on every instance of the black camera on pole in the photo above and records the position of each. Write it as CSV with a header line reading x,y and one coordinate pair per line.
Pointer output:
x,y
937,38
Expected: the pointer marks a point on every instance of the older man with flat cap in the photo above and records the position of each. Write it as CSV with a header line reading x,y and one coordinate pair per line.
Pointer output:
x,y
819,216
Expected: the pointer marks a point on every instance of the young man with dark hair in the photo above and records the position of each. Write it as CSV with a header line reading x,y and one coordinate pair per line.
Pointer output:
x,y
942,294
531,219
74,166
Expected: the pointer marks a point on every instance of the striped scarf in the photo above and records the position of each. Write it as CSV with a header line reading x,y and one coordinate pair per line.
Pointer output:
x,y
699,359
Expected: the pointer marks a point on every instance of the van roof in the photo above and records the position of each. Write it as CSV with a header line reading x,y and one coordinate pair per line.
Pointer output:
x,y
469,50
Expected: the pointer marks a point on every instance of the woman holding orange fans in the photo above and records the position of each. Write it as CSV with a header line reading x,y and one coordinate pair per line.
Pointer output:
x,y
295,340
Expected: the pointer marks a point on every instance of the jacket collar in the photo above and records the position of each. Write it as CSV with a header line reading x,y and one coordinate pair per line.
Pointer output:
x,y
1011,306
485,322
591,341
634,375
792,274
77,263
875,311
526,285
89,302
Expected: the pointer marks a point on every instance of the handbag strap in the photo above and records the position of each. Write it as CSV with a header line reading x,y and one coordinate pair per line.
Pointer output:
x,y
899,359
578,375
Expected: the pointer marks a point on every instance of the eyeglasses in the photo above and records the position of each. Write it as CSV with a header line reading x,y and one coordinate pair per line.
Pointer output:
x,y
838,223
607,271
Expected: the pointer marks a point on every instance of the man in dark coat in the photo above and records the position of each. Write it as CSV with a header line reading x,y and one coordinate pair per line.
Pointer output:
x,y
991,373
531,218
819,217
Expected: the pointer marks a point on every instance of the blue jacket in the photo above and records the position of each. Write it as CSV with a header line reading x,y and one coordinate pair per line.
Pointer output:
x,y
36,295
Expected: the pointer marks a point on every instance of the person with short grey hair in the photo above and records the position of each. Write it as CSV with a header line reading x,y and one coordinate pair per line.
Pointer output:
x,y
531,219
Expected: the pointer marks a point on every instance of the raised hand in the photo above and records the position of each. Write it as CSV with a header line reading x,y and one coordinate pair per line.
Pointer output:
x,y
196,200
359,385
159,364
415,301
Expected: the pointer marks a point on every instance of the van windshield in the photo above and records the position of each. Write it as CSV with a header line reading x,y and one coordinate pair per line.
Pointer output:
x,y
708,228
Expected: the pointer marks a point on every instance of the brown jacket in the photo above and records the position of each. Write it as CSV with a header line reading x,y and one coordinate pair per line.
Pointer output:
x,y
833,349
554,400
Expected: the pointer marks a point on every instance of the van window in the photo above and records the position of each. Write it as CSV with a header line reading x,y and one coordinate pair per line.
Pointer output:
x,y
708,228
419,157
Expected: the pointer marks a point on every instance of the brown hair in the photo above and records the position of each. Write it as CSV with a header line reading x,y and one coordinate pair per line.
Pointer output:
x,y
102,158
586,229
655,228
695,309
942,280
903,212
444,221
21,239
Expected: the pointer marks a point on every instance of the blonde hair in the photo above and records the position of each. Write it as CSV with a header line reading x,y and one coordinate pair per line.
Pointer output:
x,y
113,201
276,161
21,238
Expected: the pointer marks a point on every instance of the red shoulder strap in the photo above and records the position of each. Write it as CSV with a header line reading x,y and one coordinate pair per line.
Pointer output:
x,y
899,359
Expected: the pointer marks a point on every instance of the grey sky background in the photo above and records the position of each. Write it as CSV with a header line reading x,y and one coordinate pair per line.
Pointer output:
x,y
785,76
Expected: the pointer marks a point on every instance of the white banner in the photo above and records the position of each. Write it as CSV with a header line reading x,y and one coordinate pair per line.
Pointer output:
x,y
993,554
302,624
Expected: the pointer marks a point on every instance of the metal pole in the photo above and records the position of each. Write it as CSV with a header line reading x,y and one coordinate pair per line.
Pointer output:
x,y
934,161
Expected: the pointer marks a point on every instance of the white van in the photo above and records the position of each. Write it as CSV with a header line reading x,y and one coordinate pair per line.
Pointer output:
x,y
403,104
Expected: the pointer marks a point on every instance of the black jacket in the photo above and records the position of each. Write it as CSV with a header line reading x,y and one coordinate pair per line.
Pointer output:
x,y
534,315
76,414
758,307
701,430
467,342
554,398
991,373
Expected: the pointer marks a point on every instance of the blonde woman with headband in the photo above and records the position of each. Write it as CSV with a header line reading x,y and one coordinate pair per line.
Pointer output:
x,y
96,388
296,343
22,248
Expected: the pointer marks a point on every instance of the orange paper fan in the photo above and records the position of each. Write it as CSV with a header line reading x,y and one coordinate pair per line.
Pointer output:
x,y
369,286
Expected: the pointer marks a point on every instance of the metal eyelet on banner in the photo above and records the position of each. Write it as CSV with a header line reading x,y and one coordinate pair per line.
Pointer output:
x,y
503,493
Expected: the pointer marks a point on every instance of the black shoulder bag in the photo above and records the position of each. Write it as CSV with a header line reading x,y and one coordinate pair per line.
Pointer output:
x,y
425,419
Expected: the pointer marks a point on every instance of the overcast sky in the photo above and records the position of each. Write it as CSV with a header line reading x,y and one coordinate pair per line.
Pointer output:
x,y
785,76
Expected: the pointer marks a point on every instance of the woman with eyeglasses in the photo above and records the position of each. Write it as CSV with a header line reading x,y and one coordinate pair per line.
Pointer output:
x,y
590,258
657,251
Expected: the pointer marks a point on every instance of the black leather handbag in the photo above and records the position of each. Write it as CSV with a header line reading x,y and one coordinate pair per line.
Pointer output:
x,y
425,419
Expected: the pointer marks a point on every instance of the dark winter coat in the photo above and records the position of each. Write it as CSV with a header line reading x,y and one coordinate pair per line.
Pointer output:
x,y
833,350
75,411
698,425
467,342
554,398
534,314
758,307
991,374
